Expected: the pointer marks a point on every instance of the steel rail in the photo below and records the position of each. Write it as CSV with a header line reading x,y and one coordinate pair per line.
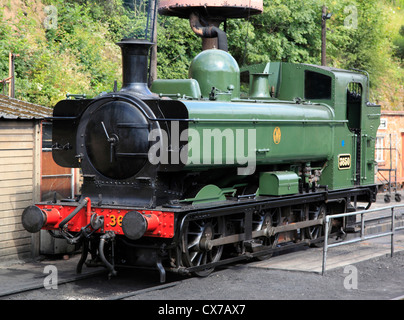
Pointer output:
x,y
40,285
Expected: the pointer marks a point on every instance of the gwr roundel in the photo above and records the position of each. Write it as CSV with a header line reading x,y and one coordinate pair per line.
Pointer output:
x,y
277,135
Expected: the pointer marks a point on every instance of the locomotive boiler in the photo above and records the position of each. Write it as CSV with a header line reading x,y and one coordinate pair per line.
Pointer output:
x,y
194,173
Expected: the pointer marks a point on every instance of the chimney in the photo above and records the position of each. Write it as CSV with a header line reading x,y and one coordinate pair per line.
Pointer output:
x,y
134,65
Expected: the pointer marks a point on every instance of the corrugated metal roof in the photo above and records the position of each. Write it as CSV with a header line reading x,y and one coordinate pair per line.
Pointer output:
x,y
11,108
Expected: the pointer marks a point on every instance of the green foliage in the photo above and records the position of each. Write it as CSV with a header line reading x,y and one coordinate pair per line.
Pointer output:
x,y
80,55
363,39
399,44
175,49
288,31
361,36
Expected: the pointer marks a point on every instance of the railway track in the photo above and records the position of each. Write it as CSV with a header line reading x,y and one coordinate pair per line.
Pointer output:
x,y
39,285
98,286
89,286
142,291
377,223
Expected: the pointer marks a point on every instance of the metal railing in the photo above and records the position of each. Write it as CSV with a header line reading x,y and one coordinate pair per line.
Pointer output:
x,y
362,237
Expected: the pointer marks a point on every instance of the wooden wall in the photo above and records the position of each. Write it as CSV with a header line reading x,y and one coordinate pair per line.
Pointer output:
x,y
20,152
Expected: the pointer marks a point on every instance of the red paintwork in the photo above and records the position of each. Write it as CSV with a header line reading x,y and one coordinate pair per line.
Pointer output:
x,y
160,223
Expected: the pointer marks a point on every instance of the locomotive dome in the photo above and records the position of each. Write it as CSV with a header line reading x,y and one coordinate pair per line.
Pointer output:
x,y
218,69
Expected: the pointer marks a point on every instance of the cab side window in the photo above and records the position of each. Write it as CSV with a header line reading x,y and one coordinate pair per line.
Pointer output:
x,y
317,86
353,105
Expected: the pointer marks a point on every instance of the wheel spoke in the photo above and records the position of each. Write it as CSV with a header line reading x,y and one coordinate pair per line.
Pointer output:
x,y
195,232
195,256
316,231
199,226
193,244
261,221
205,257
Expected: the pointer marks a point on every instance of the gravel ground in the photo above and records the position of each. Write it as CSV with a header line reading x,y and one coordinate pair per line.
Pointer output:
x,y
377,279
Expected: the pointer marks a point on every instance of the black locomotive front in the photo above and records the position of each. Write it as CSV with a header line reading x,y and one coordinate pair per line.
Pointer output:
x,y
109,137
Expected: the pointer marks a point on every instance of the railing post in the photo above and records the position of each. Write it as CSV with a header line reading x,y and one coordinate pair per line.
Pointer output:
x,y
392,231
325,248
362,225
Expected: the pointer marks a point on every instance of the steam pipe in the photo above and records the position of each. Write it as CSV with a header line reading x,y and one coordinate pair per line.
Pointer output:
x,y
208,32
103,239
